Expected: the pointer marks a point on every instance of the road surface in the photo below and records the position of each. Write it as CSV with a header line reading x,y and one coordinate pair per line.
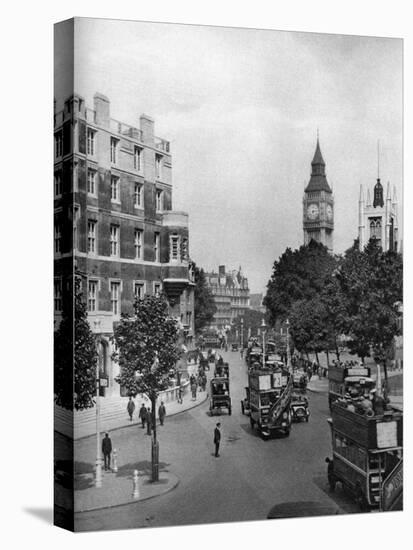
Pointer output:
x,y
250,478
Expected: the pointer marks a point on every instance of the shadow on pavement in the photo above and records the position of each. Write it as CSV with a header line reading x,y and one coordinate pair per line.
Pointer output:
x,y
340,496
143,467
301,509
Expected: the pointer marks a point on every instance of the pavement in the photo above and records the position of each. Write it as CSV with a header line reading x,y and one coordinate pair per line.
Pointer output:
x,y
118,487
113,414
249,478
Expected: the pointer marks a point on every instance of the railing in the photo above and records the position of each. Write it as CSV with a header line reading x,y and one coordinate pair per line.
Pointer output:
x,y
162,144
125,129
173,393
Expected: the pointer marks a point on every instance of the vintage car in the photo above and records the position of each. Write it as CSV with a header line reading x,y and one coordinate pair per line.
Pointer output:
x,y
221,370
220,396
203,360
234,346
245,403
299,406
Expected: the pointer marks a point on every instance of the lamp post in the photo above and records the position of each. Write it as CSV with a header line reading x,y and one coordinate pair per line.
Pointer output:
x,y
287,324
242,332
263,327
98,479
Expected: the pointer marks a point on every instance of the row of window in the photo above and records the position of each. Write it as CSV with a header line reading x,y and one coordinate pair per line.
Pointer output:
x,y
114,151
115,288
177,248
138,195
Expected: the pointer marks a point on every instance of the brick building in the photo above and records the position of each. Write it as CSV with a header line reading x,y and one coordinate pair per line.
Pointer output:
x,y
231,295
114,222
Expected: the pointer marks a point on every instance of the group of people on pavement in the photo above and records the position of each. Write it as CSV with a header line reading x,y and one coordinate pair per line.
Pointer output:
x,y
145,414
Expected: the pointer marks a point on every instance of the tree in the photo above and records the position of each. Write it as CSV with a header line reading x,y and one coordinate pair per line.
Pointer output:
x,y
372,283
308,327
297,275
204,306
74,361
146,349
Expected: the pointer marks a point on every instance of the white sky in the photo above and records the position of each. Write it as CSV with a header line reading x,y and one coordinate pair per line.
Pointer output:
x,y
241,108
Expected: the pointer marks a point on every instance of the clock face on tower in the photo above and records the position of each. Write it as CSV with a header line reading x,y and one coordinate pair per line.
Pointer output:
x,y
312,211
329,211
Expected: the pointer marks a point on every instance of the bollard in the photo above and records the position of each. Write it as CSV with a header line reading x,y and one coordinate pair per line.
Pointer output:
x,y
135,493
115,461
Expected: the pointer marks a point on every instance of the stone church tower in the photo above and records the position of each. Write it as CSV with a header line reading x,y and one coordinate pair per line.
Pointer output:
x,y
318,204
378,220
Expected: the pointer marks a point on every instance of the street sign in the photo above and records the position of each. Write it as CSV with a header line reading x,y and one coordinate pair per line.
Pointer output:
x,y
103,382
392,487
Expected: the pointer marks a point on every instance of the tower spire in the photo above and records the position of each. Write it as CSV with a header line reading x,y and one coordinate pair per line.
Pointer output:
x,y
378,159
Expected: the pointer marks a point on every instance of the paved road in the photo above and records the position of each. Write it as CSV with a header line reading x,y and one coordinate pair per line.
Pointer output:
x,y
249,478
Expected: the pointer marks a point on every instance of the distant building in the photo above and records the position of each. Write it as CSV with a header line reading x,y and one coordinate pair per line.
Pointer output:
x,y
256,302
231,295
379,219
114,223
318,205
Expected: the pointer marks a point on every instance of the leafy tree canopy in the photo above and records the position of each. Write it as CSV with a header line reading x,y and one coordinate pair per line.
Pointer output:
x,y
372,284
75,361
146,347
204,306
297,275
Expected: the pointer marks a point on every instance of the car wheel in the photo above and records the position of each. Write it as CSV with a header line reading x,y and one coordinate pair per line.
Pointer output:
x,y
230,411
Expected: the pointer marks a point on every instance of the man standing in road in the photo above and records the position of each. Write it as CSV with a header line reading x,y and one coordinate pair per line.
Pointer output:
x,y
161,413
130,408
143,415
217,438
106,450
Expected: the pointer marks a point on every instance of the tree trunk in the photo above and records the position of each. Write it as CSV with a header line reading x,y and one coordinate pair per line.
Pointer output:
x,y
155,444
316,356
337,351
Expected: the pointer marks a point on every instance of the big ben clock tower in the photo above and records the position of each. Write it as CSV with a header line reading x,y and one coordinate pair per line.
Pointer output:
x,y
318,204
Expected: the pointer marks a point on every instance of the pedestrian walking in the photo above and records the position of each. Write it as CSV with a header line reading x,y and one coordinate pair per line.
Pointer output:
x,y
204,382
193,389
217,438
106,451
130,408
161,413
180,394
242,353
148,421
143,414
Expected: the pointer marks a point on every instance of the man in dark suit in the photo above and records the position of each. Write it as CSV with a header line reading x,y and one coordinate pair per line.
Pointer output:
x,y
217,438
106,450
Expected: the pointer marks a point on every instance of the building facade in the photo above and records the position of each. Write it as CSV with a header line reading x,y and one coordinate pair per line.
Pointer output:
x,y
318,204
379,219
231,296
114,223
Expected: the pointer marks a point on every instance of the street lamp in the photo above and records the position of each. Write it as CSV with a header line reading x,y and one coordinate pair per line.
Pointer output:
x,y
242,332
287,324
98,480
263,327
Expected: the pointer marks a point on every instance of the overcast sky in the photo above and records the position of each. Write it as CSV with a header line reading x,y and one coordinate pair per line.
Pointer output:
x,y
241,109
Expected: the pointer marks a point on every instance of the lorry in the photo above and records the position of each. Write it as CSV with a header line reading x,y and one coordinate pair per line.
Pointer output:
x,y
367,445
337,376
269,399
